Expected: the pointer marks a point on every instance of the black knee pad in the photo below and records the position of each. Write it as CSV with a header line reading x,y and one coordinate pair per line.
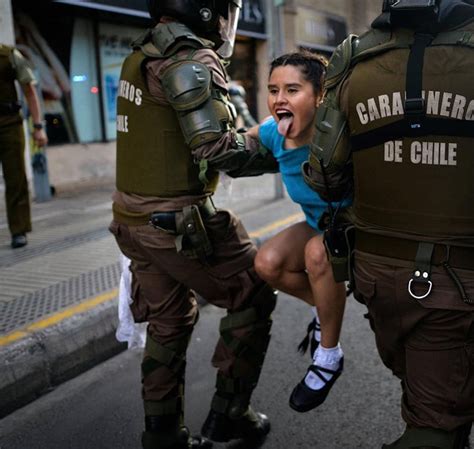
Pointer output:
x,y
172,358
172,355
233,394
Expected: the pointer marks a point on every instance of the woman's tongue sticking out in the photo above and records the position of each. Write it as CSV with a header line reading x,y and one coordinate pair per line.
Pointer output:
x,y
284,125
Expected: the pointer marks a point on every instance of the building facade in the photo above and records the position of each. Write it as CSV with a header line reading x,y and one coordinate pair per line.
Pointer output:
x,y
78,46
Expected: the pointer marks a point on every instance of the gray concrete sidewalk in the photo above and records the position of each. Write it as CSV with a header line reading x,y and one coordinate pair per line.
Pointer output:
x,y
58,308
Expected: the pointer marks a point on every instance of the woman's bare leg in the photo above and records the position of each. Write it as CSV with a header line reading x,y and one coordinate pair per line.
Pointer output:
x,y
281,261
329,296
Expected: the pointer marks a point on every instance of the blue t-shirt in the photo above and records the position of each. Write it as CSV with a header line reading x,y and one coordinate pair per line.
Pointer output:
x,y
290,168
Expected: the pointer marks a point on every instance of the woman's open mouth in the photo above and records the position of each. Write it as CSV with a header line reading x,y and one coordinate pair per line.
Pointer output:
x,y
285,122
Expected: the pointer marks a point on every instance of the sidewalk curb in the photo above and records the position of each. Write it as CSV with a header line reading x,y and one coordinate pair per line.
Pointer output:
x,y
42,360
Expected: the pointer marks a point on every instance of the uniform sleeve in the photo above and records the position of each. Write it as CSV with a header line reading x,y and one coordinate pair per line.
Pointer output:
x,y
228,140
223,149
23,71
155,68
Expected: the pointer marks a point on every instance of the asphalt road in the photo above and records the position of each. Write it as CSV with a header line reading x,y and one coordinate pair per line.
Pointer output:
x,y
101,409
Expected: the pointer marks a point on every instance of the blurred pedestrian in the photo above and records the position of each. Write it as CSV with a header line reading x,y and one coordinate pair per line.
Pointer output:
x,y
238,98
397,125
13,67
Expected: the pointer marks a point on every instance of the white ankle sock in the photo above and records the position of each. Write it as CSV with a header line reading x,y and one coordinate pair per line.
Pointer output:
x,y
329,358
317,333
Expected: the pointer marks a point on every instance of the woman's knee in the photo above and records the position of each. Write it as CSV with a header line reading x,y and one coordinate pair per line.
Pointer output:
x,y
268,264
316,259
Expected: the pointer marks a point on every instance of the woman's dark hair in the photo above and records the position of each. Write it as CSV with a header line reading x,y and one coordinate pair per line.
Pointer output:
x,y
313,66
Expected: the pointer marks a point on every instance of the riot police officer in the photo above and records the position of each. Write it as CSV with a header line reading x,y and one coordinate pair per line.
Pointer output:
x,y
13,67
176,130
403,144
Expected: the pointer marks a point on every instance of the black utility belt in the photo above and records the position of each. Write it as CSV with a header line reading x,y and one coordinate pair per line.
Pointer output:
x,y
188,225
10,107
175,222
424,255
404,249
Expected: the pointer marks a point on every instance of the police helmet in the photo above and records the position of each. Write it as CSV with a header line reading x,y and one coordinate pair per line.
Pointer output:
x,y
200,14
432,15
411,13
214,19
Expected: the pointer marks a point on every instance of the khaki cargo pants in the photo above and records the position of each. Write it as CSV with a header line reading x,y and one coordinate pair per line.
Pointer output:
x,y
12,145
428,344
164,283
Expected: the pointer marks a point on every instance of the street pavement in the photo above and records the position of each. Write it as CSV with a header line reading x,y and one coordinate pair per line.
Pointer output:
x,y
101,409
58,308
58,315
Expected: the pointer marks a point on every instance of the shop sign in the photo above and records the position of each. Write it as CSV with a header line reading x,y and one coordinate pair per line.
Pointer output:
x,y
252,19
318,29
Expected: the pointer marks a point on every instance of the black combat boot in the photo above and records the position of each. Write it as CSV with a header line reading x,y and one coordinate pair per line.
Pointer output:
x,y
251,426
426,438
165,432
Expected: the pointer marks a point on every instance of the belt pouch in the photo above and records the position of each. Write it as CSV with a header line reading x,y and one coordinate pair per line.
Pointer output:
x,y
192,241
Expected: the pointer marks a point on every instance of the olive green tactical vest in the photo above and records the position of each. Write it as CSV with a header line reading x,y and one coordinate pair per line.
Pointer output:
x,y
420,185
7,86
152,157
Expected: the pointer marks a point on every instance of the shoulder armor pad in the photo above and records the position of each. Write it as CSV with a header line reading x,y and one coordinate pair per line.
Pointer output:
x,y
142,39
459,37
373,41
166,39
354,49
376,41
187,84
340,62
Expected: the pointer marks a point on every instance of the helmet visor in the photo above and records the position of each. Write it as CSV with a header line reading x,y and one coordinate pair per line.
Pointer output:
x,y
228,30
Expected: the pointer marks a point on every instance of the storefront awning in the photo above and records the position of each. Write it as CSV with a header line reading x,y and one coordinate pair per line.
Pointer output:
x,y
251,23
135,8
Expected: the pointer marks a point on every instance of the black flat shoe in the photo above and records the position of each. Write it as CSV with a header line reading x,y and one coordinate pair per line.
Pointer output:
x,y
303,399
309,340
252,426
19,240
